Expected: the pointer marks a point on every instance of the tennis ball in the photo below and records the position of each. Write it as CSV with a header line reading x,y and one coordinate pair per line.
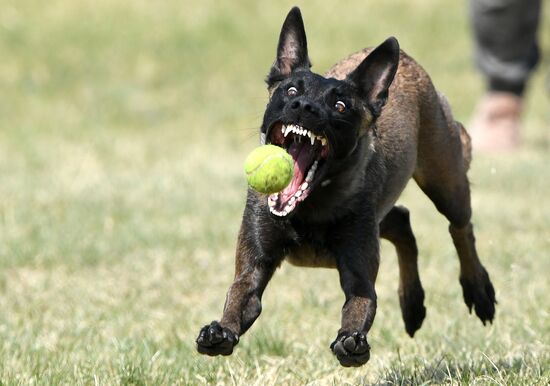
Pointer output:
x,y
269,169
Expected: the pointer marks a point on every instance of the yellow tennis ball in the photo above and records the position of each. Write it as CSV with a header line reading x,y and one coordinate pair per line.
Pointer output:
x,y
269,169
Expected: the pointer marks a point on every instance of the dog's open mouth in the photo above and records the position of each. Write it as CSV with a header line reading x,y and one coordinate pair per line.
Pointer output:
x,y
310,152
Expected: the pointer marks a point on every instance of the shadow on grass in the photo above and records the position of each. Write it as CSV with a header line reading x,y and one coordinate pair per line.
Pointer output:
x,y
445,370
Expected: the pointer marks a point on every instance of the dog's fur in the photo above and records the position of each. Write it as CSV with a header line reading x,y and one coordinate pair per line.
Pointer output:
x,y
395,126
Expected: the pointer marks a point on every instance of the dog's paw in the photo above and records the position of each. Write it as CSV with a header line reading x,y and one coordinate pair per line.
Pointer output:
x,y
411,300
479,293
214,340
351,349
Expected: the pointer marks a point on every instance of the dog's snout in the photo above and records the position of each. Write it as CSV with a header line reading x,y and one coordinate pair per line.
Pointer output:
x,y
305,106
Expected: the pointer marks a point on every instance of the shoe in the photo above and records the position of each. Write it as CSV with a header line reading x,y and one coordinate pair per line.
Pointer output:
x,y
495,126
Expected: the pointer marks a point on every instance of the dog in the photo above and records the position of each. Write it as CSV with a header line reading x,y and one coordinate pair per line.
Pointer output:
x,y
357,135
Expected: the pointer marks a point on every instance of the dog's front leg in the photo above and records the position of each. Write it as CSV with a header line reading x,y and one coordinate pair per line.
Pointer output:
x,y
357,264
253,271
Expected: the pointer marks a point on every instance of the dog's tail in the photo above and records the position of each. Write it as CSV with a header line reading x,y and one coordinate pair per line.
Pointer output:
x,y
457,126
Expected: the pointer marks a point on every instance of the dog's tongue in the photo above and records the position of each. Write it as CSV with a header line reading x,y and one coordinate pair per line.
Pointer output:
x,y
303,156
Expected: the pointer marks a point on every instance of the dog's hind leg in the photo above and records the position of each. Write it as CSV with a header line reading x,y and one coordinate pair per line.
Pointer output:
x,y
441,173
396,228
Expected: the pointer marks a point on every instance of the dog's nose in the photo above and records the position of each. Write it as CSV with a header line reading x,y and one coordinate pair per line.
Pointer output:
x,y
295,105
301,104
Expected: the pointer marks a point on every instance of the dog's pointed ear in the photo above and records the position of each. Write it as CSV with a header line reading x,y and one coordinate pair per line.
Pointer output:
x,y
292,48
375,74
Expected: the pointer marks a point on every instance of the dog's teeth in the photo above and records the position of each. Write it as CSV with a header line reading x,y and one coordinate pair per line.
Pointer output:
x,y
288,129
298,194
304,186
311,138
292,200
311,172
324,141
272,199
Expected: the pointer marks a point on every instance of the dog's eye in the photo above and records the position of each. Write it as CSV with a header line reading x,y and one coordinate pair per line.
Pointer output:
x,y
340,106
292,91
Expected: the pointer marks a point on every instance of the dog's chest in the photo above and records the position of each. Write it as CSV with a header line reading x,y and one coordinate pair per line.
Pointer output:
x,y
308,256
310,250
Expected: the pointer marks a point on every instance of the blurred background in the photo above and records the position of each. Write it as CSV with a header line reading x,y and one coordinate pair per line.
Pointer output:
x,y
123,129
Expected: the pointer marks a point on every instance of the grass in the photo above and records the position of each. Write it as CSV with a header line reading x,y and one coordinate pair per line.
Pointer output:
x,y
123,128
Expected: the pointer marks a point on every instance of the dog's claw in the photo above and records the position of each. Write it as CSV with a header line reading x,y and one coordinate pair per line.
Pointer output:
x,y
352,350
411,300
479,294
214,340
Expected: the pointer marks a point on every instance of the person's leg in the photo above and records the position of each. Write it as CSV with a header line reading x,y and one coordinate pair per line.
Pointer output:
x,y
505,33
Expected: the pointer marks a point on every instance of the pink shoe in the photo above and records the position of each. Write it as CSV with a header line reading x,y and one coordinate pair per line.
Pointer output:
x,y
496,124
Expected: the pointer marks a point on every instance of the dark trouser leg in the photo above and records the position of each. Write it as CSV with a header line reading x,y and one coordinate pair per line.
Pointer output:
x,y
505,34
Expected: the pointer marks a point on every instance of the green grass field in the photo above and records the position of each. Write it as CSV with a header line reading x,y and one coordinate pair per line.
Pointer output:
x,y
123,129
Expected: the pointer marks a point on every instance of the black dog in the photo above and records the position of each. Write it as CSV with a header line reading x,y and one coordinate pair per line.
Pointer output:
x,y
357,136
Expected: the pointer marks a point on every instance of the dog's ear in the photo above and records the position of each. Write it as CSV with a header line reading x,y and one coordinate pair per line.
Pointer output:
x,y
374,75
292,48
